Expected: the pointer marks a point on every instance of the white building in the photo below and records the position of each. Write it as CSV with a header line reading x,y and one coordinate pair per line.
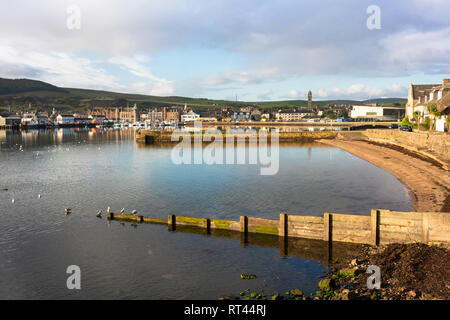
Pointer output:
x,y
155,116
377,113
190,116
293,115
65,119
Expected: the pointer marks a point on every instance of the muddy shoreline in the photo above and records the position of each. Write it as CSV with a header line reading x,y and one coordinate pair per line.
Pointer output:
x,y
426,179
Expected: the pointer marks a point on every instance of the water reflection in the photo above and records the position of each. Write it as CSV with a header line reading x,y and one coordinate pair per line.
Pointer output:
x,y
318,250
46,137
91,169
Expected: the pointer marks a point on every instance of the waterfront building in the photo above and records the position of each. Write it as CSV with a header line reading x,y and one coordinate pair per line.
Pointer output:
x,y
255,115
128,114
10,120
34,118
97,118
293,115
171,115
240,116
82,120
422,95
65,119
189,116
155,116
42,118
371,112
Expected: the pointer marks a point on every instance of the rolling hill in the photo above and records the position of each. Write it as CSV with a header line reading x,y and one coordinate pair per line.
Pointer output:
x,y
19,93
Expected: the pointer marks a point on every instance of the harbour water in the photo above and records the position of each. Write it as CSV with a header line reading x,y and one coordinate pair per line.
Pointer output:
x,y
91,169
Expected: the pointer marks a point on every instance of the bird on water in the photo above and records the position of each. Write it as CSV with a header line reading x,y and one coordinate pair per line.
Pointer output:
x,y
99,214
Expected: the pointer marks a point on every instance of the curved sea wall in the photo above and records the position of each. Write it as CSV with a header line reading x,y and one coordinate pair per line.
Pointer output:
x,y
435,144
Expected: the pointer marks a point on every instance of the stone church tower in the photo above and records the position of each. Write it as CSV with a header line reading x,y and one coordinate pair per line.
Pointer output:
x,y
309,99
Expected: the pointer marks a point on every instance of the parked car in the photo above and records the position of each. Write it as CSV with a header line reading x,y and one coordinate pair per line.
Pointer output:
x,y
406,128
393,126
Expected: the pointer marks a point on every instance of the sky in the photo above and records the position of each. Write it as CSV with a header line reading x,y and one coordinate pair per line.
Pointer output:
x,y
252,50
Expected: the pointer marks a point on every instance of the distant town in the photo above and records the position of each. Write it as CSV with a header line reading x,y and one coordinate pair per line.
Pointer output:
x,y
427,107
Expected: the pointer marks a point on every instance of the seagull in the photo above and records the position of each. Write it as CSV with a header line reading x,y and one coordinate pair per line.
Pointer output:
x,y
39,196
67,211
13,201
108,210
122,211
133,212
99,214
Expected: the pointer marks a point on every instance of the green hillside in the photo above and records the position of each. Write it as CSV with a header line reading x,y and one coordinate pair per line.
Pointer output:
x,y
19,93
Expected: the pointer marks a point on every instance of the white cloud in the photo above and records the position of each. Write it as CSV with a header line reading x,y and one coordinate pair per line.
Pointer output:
x,y
265,95
133,64
275,41
361,92
427,51
68,70
59,68
293,94
160,88
243,77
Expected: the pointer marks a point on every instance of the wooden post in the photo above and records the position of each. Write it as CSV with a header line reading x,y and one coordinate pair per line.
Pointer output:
x,y
244,230
375,227
425,227
140,219
111,216
172,221
208,225
328,227
283,227
244,224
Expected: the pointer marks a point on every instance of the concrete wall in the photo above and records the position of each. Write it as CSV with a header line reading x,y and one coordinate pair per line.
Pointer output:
x,y
436,143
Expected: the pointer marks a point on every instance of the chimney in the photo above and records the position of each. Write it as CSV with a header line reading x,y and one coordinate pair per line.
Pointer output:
x,y
446,82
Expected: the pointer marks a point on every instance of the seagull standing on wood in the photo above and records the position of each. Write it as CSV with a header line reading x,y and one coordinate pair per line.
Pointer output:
x,y
108,210
133,212
122,211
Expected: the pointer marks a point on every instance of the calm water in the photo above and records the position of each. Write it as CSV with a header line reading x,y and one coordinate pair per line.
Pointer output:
x,y
89,170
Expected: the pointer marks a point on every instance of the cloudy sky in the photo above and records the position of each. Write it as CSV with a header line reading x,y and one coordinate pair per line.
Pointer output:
x,y
255,49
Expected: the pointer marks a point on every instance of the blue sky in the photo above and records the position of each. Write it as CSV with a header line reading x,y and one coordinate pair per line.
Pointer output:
x,y
255,49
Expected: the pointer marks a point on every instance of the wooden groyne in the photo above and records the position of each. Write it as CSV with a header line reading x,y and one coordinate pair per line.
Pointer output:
x,y
381,227
149,137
